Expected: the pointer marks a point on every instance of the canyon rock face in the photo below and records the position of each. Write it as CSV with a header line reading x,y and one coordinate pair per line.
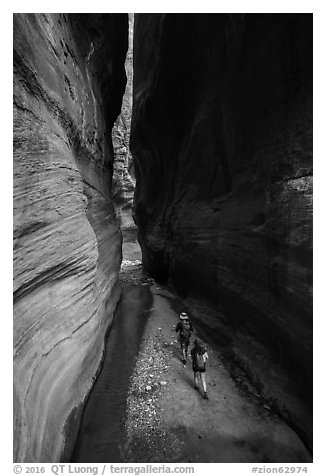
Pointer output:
x,y
69,80
123,179
222,142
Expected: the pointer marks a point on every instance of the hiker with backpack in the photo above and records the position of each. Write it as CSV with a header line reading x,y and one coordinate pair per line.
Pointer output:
x,y
184,327
199,358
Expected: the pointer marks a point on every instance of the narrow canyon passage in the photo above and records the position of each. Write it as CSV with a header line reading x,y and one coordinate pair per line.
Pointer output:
x,y
162,163
143,407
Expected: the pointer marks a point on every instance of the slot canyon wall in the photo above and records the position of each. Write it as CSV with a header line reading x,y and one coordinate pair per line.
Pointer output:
x,y
222,142
123,179
69,79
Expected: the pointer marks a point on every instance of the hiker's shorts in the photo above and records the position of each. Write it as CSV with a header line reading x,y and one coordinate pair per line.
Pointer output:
x,y
184,342
201,370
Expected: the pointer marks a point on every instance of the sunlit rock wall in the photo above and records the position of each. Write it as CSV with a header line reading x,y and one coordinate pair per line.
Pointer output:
x,y
123,176
69,80
222,142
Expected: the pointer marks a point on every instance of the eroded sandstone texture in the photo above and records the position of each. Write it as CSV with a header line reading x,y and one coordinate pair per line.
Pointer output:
x,y
222,140
69,80
123,179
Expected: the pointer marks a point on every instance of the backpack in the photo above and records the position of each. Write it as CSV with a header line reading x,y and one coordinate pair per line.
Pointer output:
x,y
199,361
185,331
201,348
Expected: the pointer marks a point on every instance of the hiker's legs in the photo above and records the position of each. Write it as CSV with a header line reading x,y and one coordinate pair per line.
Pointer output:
x,y
203,381
196,380
184,349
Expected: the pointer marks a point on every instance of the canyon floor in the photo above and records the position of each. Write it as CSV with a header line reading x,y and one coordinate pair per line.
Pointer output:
x,y
167,420
145,408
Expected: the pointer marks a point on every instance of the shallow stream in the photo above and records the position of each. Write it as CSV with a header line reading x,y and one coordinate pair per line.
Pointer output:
x,y
101,435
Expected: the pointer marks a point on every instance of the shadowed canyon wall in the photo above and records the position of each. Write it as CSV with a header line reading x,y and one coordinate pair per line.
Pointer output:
x,y
222,142
69,80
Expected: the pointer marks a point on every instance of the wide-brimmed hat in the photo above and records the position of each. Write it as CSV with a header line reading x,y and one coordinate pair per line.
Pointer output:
x,y
183,315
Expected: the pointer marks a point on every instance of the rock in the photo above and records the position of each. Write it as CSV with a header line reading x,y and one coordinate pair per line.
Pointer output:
x,y
222,140
123,180
148,388
163,382
66,239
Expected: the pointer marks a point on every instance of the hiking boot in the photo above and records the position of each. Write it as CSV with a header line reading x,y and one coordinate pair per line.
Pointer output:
x,y
184,362
205,396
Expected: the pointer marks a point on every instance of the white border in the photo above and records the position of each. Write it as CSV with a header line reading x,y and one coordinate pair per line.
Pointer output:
x,y
318,8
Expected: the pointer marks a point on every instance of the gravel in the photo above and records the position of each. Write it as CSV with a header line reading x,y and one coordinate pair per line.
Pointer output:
x,y
148,437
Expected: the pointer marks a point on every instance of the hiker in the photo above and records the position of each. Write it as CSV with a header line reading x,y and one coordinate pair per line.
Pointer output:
x,y
184,327
199,358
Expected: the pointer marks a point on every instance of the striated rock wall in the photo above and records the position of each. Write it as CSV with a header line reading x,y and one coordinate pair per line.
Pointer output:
x,y
123,182
222,142
123,178
69,80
